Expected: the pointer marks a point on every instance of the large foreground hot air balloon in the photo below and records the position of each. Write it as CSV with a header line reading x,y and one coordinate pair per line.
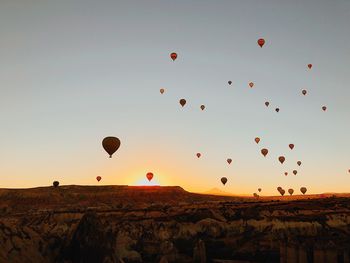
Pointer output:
x,y
98,178
290,191
257,139
281,159
303,190
224,180
56,183
149,176
261,42
173,56
229,160
111,145
264,152
182,102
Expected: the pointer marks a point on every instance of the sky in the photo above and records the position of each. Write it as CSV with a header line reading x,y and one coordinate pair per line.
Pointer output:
x,y
74,72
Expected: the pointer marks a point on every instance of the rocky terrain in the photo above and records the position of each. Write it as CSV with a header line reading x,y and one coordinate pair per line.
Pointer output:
x,y
167,224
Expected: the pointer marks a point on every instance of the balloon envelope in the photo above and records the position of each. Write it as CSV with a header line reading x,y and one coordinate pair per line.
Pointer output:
x,y
303,190
257,139
149,176
285,173
202,107
173,56
267,103
229,82
291,146
295,172
251,84
282,192
324,108
111,145
277,109
281,159
229,161
299,163
264,152
161,91
223,180
261,42
309,66
259,189
304,92
98,178
182,102
56,183
290,191
198,155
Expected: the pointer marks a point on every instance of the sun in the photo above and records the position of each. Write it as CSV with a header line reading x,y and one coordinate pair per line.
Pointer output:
x,y
145,182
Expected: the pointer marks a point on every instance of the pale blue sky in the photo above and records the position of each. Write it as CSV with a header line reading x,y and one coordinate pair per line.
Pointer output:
x,y
72,72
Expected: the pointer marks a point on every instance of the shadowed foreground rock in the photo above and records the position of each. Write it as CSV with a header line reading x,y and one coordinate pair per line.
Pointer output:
x,y
168,225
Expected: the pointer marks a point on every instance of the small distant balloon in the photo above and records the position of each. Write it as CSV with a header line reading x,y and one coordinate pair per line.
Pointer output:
x,y
261,42
56,183
198,155
223,180
173,56
111,145
259,189
161,91
304,92
264,152
182,102
229,82
281,159
291,146
285,173
202,107
267,103
229,161
98,178
256,195
257,140
299,163
279,188
277,109
324,108
251,84
149,176
282,192
290,191
309,66
295,172
303,190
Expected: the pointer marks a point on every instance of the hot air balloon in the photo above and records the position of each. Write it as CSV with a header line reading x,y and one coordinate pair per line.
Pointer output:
x,y
264,152
202,107
285,173
111,145
281,159
304,92
277,109
267,103
229,161
303,190
182,102
224,180
173,56
324,108
349,170
295,172
229,82
261,42
259,189
309,66
149,176
290,191
56,183
257,139
256,195
299,163
198,155
161,91
98,178
251,84
291,146
279,188
282,192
